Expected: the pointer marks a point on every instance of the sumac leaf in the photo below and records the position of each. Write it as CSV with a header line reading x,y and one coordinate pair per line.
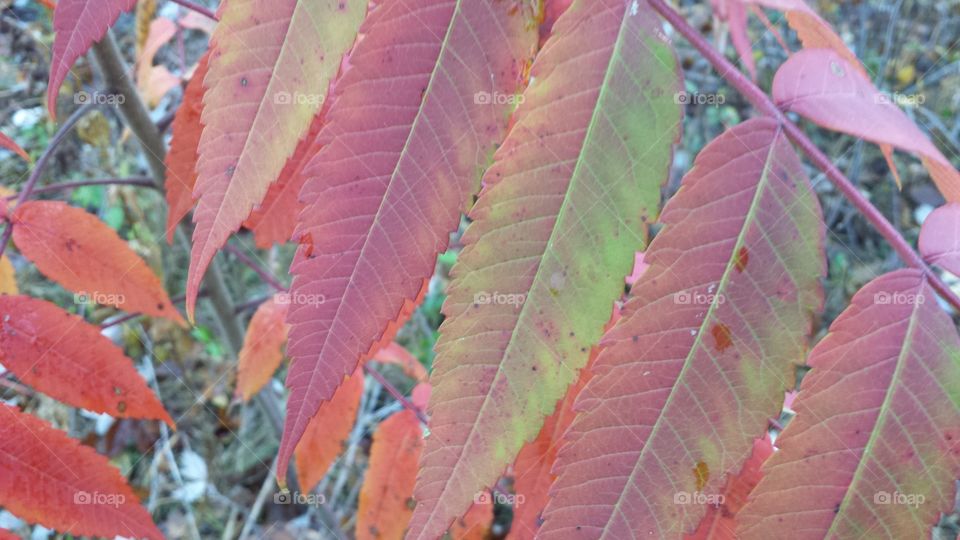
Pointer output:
x,y
821,85
872,451
50,479
77,24
67,358
268,77
940,237
386,498
563,210
81,253
327,432
182,158
262,350
408,131
10,144
705,349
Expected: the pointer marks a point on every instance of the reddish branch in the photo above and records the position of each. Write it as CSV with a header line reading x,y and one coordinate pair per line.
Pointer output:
x,y
198,8
765,105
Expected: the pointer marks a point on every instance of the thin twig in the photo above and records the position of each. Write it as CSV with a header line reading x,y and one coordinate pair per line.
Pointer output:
x,y
259,270
396,393
198,8
41,164
765,105
141,181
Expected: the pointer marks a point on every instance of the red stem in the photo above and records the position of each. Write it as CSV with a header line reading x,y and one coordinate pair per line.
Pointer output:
x,y
396,394
141,181
198,8
260,271
765,105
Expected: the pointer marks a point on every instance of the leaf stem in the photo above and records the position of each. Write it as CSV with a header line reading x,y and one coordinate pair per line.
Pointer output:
x,y
765,105
142,181
198,8
259,270
392,390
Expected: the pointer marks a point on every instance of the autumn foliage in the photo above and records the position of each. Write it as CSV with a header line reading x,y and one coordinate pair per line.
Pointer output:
x,y
532,143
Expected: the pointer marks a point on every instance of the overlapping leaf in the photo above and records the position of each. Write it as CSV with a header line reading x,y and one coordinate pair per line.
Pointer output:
x,y
262,350
413,122
50,479
386,496
8,277
65,357
181,160
821,85
268,78
80,252
704,350
940,237
873,451
77,24
394,353
564,208
720,522
327,432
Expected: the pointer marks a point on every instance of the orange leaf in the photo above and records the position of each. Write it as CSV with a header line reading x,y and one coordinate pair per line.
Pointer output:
x,y
386,502
8,277
50,479
327,432
80,252
475,524
262,349
182,157
7,535
62,355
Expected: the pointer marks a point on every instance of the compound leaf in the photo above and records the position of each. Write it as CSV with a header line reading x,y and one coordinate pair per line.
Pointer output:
x,y
705,348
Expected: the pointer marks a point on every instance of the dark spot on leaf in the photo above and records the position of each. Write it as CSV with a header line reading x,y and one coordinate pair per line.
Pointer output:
x,y
122,406
742,258
722,337
701,473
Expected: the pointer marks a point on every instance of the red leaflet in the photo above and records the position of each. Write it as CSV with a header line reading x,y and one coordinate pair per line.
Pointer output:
x,y
720,523
821,85
386,498
7,535
182,158
266,84
65,357
940,237
400,156
50,479
78,24
327,432
475,524
9,144
262,349
873,451
711,333
80,252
